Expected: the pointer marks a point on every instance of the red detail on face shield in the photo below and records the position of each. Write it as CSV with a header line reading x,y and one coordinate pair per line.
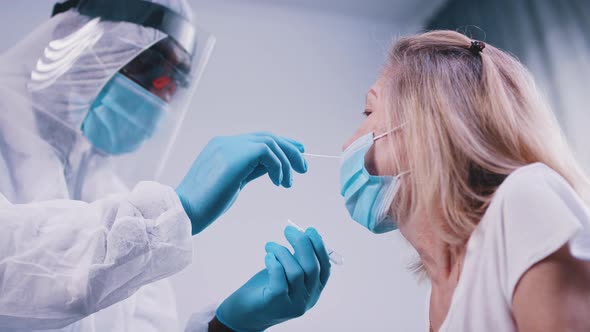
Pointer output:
x,y
161,82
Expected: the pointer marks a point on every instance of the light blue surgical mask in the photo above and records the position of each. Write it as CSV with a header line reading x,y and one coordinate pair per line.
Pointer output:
x,y
367,197
123,116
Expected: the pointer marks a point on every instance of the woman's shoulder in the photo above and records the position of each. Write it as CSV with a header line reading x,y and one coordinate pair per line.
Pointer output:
x,y
533,182
532,172
534,205
533,213
536,193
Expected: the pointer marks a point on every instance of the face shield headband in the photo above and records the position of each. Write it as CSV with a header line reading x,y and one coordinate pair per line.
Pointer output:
x,y
140,12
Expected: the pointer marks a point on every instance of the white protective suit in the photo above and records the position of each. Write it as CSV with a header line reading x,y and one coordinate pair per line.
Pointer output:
x,y
63,259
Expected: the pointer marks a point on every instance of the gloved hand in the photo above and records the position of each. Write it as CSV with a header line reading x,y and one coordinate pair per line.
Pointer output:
x,y
227,164
288,287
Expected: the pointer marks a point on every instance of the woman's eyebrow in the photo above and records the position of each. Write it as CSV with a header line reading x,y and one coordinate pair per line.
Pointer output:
x,y
370,93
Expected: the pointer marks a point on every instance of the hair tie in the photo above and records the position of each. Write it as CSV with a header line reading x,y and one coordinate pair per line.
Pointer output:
x,y
477,46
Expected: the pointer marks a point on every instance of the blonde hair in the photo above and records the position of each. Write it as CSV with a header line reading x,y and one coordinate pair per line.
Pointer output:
x,y
470,120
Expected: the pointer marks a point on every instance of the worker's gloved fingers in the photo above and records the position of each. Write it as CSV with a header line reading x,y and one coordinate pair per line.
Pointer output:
x,y
306,256
271,143
292,148
293,271
277,279
259,171
321,254
293,152
271,162
298,144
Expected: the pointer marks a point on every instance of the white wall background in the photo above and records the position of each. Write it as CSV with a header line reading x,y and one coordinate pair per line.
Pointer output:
x,y
298,69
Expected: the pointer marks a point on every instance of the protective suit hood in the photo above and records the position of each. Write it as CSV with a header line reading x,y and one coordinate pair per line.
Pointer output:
x,y
48,83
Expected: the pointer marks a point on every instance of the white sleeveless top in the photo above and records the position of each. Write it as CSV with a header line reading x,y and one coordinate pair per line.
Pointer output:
x,y
533,213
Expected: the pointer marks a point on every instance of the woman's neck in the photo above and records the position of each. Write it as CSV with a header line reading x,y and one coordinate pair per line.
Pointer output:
x,y
439,259
442,263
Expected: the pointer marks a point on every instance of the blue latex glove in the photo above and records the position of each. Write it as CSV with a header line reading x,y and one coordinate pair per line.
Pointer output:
x,y
289,286
227,164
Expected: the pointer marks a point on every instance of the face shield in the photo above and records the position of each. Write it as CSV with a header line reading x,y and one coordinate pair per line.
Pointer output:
x,y
162,69
122,75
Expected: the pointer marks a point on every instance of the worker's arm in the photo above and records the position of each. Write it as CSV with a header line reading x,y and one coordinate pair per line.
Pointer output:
x,y
63,260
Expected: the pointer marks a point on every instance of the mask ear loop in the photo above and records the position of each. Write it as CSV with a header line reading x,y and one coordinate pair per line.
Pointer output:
x,y
388,132
403,173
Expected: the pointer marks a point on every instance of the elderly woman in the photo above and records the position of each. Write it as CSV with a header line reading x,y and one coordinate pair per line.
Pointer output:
x,y
460,152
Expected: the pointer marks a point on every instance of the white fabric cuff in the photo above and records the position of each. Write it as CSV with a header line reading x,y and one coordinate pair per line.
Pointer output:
x,y
199,321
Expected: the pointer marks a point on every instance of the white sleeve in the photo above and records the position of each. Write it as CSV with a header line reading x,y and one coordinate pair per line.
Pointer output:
x,y
540,213
199,321
63,260
155,308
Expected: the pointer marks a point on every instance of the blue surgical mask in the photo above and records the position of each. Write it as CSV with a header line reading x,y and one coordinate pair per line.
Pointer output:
x,y
123,116
367,197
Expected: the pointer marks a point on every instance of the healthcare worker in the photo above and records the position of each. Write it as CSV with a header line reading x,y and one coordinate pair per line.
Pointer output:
x,y
90,102
460,152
